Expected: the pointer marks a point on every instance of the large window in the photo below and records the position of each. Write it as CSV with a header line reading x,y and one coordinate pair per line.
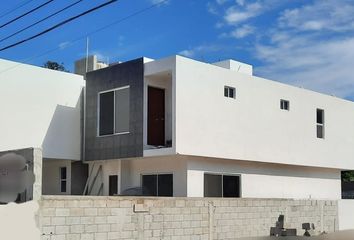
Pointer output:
x,y
320,123
114,111
63,179
216,185
158,185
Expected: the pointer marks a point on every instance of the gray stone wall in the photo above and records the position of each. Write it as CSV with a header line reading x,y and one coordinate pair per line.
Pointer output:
x,y
115,146
102,218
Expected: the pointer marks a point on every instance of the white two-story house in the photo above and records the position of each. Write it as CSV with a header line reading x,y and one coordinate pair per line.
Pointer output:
x,y
180,127
41,120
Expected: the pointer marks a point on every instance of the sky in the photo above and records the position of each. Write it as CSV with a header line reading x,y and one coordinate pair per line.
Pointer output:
x,y
306,43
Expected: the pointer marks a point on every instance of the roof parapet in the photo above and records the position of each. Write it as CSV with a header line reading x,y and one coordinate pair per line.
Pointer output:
x,y
235,66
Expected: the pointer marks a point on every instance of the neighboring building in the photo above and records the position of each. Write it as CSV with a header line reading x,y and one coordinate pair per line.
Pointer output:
x,y
88,64
180,127
41,109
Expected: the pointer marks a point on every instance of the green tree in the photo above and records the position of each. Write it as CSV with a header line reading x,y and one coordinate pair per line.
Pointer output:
x,y
55,66
348,176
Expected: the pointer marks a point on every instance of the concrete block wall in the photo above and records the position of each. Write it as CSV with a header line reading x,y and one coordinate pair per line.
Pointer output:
x,y
103,218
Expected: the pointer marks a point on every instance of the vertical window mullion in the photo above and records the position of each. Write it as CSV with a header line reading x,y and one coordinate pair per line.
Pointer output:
x,y
157,184
114,112
222,185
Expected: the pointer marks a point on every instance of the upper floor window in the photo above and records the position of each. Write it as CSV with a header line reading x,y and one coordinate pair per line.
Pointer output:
x,y
284,104
320,123
114,111
229,92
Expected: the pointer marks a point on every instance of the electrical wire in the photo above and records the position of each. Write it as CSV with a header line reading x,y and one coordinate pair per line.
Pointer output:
x,y
74,41
15,8
42,20
57,25
26,13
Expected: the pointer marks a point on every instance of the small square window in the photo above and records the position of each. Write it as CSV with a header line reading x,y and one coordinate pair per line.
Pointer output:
x,y
229,92
284,104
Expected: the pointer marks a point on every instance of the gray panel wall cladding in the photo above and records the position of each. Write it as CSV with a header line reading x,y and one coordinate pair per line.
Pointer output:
x,y
115,146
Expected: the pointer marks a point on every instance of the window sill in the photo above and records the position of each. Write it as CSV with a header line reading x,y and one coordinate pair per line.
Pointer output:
x,y
114,134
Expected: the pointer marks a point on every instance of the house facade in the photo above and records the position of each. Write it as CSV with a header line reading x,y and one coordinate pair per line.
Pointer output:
x,y
180,127
174,127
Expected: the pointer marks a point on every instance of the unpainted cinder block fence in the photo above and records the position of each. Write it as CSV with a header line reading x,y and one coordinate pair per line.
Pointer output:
x,y
103,218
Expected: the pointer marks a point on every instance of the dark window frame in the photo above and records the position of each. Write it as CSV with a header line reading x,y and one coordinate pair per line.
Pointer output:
x,y
320,123
114,120
230,92
156,192
63,180
222,187
284,104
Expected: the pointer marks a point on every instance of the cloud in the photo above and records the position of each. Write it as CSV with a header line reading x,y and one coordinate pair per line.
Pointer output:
x,y
309,44
330,15
187,53
324,66
202,50
160,1
64,45
221,2
236,14
211,8
243,31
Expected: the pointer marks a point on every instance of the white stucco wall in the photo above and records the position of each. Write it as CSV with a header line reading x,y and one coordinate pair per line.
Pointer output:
x,y
129,172
132,169
109,167
40,108
252,127
261,180
346,214
51,176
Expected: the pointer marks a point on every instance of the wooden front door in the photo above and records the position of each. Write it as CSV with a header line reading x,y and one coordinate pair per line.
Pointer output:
x,y
156,116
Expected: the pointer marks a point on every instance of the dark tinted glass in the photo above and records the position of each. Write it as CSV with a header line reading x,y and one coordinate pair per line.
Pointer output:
x,y
226,92
320,131
149,183
284,104
320,116
113,185
231,186
212,185
63,173
106,113
122,113
63,186
231,92
165,185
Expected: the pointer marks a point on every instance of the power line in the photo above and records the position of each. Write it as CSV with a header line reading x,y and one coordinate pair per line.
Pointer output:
x,y
42,20
58,25
26,13
15,8
74,41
